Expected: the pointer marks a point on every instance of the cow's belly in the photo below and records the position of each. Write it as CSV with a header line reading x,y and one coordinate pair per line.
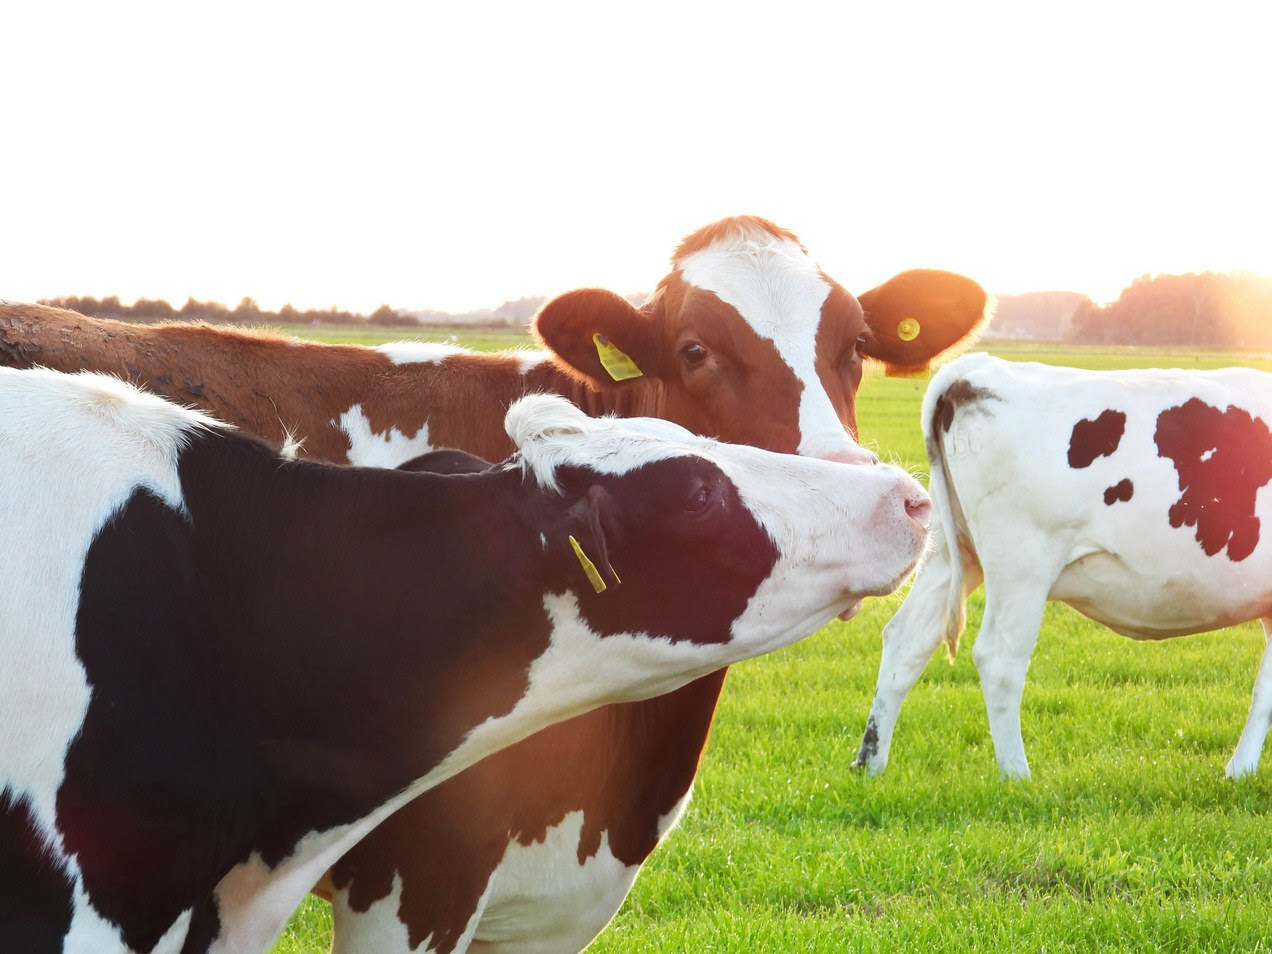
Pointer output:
x,y
543,901
1129,598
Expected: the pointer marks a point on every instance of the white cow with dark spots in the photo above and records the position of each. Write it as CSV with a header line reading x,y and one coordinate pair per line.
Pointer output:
x,y
1139,498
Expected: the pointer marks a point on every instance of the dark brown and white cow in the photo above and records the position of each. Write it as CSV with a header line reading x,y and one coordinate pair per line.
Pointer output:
x,y
746,340
222,666
1137,497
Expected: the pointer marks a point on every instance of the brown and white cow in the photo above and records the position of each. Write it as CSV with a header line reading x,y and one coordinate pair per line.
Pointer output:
x,y
1139,498
746,340
222,666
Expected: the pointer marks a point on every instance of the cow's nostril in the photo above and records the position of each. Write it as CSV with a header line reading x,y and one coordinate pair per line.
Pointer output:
x,y
919,509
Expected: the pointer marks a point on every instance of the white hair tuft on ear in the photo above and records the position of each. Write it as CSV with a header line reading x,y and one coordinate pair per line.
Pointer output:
x,y
537,416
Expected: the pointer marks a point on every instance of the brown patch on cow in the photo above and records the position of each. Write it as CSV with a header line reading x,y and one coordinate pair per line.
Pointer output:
x,y
1121,491
1223,458
729,229
1094,438
960,394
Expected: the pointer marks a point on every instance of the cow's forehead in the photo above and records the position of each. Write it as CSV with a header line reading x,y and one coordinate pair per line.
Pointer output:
x,y
770,280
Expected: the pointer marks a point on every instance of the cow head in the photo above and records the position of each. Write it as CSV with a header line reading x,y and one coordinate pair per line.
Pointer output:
x,y
726,549
747,340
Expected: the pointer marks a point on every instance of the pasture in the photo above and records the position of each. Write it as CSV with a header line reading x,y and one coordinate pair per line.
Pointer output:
x,y
1127,838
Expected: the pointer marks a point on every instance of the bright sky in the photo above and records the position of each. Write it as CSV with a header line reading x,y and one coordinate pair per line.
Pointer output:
x,y
455,153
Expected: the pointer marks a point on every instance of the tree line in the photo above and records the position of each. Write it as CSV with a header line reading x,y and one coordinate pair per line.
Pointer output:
x,y
245,312
1223,311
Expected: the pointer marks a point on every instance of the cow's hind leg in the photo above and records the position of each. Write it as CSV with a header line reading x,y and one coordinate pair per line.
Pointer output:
x,y
1008,634
1246,758
909,640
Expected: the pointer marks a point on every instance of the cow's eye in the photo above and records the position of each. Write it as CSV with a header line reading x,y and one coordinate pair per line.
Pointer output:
x,y
862,340
701,497
694,354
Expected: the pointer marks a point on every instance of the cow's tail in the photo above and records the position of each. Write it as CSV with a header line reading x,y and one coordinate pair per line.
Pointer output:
x,y
952,540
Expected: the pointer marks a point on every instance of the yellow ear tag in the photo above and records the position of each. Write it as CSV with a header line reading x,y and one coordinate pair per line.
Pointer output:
x,y
619,365
908,329
589,568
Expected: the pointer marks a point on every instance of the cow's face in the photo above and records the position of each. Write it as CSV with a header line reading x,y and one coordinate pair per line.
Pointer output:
x,y
748,341
726,551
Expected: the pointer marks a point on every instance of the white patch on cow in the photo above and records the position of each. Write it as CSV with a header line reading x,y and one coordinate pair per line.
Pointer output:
x,y
545,902
419,352
380,929
368,448
529,359
581,669
670,820
779,291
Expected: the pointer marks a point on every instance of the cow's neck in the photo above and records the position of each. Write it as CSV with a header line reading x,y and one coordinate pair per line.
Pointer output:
x,y
642,398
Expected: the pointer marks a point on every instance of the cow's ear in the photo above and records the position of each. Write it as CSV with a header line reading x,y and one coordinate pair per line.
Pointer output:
x,y
922,315
598,336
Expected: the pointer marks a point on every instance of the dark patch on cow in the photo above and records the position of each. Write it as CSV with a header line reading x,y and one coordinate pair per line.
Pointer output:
x,y
712,525
205,927
960,394
1123,490
869,743
446,461
1095,438
1223,458
35,894
226,656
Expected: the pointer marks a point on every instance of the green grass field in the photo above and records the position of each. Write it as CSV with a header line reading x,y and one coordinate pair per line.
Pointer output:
x,y
1128,838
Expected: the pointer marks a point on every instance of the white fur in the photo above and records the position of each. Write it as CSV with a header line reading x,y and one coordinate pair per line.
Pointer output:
x,y
548,908
419,352
368,448
779,291
1038,530
379,928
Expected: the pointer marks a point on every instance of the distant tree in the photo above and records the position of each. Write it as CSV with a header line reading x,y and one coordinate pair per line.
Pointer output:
x,y
152,309
388,315
246,311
